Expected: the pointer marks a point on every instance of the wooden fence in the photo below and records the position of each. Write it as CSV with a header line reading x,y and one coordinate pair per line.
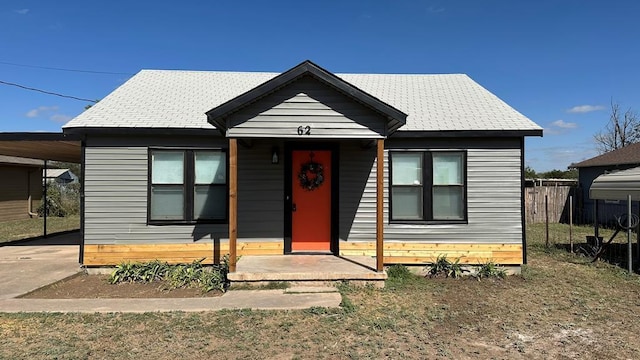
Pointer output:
x,y
558,203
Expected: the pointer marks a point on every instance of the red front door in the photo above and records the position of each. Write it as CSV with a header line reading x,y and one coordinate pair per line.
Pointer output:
x,y
311,200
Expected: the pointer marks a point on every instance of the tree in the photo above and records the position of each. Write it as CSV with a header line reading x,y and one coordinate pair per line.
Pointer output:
x,y
621,130
529,173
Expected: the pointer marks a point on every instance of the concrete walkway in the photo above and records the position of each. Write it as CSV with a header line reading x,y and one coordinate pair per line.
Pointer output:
x,y
238,299
29,265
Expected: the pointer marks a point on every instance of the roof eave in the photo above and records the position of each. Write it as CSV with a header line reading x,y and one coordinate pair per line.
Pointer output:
x,y
216,116
467,133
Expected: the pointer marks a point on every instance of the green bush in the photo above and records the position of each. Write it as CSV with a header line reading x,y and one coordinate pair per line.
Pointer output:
x,y
62,200
195,274
446,268
399,272
490,270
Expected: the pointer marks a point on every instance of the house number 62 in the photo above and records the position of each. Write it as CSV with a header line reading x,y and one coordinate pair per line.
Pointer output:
x,y
304,130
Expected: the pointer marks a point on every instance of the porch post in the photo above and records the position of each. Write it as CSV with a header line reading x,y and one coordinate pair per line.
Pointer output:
x,y
380,206
233,202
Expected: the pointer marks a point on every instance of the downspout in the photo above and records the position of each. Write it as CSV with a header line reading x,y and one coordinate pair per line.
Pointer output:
x,y
29,201
30,207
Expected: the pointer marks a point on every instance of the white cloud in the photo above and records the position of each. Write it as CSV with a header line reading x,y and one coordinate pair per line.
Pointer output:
x,y
60,118
580,109
559,127
50,112
435,9
21,11
41,110
564,125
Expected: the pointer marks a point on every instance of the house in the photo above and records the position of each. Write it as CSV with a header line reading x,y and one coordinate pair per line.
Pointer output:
x,y
21,189
60,176
181,165
588,170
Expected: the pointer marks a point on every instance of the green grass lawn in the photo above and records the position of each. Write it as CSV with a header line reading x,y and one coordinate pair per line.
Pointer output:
x,y
27,228
562,306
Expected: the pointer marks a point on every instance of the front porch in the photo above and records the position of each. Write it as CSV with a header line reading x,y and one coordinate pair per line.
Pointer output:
x,y
306,270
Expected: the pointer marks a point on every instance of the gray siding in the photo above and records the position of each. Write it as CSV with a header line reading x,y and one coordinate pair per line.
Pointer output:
x,y
116,174
116,193
493,195
307,102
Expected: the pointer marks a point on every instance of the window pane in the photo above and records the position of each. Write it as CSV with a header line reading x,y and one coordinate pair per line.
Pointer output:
x,y
407,203
211,167
447,169
167,203
210,202
167,167
407,168
447,203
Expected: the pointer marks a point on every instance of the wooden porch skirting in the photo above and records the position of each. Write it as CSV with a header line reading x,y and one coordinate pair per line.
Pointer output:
x,y
394,252
425,253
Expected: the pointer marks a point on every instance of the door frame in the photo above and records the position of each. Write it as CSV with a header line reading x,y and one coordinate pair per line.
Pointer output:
x,y
289,147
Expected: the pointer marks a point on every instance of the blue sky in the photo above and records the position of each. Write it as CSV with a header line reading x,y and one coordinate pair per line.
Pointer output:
x,y
558,62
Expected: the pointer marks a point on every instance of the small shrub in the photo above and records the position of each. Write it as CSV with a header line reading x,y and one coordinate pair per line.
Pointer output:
x,y
399,272
207,278
490,270
446,268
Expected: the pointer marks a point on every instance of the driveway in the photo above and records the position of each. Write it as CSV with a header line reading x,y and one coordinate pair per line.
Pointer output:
x,y
28,265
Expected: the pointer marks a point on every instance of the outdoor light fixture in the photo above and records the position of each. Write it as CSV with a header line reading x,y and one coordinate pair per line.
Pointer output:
x,y
274,155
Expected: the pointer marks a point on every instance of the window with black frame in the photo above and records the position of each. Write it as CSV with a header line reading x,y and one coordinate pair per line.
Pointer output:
x,y
187,186
428,186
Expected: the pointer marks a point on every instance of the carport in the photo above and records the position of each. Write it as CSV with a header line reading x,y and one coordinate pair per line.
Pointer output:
x,y
623,186
46,146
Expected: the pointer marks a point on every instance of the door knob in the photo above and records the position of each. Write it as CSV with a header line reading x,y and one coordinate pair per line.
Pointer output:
x,y
293,207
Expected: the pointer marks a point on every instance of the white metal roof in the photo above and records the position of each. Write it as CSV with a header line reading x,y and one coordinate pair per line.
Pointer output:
x,y
54,173
179,99
617,185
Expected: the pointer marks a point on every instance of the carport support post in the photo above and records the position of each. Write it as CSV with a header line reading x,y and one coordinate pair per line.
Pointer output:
x,y
629,244
380,206
233,203
44,197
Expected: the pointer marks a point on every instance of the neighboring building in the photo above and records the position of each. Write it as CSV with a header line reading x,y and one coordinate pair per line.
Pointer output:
x,y
21,187
283,163
61,176
588,170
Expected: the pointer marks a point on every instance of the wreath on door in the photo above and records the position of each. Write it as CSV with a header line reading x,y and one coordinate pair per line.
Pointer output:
x,y
311,174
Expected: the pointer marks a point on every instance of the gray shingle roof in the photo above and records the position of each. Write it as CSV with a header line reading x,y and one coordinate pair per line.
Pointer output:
x,y
179,99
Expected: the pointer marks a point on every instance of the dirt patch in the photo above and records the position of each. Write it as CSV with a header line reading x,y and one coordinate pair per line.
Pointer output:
x,y
83,286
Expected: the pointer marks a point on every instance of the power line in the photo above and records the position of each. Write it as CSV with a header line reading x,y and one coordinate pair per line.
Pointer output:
x,y
63,69
47,92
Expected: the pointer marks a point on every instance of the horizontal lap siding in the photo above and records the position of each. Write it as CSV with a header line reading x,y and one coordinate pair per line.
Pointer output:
x,y
116,201
260,193
18,182
307,102
116,198
493,198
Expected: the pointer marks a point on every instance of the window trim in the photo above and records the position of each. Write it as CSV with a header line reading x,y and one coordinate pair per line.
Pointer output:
x,y
189,186
427,188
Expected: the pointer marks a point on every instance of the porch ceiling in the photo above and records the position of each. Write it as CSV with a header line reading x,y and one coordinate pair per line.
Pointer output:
x,y
44,146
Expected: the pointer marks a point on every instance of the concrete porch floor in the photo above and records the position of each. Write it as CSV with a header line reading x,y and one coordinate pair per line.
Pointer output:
x,y
306,269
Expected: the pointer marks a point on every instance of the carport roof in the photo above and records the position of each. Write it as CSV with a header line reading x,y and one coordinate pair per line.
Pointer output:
x,y
617,185
41,145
